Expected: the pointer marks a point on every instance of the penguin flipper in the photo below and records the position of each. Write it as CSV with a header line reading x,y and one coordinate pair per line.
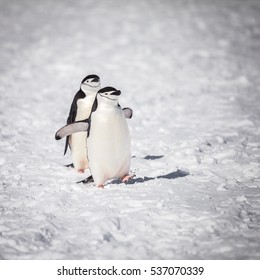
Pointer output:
x,y
128,112
69,129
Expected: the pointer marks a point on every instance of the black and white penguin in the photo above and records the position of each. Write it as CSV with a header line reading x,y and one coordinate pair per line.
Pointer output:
x,y
80,109
108,138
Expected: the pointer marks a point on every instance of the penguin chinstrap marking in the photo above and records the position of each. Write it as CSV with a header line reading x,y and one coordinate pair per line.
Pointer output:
x,y
80,109
108,138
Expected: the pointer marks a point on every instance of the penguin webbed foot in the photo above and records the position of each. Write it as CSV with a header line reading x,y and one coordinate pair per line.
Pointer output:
x,y
81,170
87,180
128,177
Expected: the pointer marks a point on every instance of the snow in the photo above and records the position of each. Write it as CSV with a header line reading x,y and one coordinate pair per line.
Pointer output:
x,y
190,71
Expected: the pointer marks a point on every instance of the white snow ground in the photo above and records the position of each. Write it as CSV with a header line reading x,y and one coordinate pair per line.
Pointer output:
x,y
190,71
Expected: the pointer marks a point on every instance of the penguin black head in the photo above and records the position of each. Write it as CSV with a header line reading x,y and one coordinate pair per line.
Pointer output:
x,y
90,83
109,93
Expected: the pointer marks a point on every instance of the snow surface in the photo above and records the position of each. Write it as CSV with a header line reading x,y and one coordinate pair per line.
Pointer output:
x,y
190,71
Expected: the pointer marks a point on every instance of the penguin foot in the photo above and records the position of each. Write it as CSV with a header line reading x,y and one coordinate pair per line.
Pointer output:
x,y
87,180
81,170
127,177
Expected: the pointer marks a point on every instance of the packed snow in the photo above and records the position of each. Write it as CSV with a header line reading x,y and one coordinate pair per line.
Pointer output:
x,y
190,72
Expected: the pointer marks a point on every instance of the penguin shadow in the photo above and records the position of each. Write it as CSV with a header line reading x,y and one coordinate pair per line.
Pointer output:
x,y
149,157
170,176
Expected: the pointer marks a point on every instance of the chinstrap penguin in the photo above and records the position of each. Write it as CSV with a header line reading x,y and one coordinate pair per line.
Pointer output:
x,y
108,138
80,109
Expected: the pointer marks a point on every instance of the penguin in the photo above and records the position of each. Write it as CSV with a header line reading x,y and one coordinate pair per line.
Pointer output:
x,y
108,137
80,109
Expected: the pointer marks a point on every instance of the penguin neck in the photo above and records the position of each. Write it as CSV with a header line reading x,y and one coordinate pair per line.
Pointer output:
x,y
89,90
106,102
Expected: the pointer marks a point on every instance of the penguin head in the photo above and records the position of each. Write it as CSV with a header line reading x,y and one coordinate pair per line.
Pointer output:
x,y
109,95
90,83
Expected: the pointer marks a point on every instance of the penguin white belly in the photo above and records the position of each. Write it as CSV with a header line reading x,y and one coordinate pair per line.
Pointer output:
x,y
78,142
109,151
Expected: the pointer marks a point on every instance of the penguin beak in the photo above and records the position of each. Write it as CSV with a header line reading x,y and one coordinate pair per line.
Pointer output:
x,y
96,80
118,92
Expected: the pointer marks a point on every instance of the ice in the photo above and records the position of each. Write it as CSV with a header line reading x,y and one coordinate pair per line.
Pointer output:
x,y
190,71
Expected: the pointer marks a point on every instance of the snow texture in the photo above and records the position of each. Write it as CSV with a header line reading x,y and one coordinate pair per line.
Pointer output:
x,y
190,71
